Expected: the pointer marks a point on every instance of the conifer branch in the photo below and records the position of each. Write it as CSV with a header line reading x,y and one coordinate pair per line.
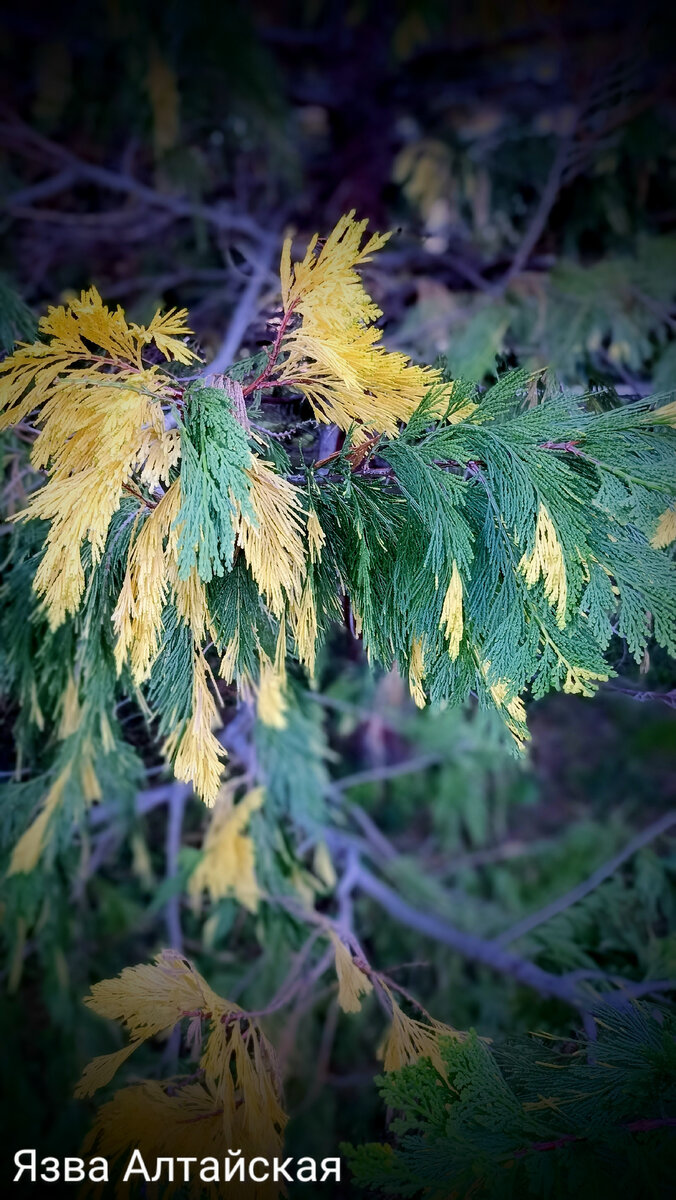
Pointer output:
x,y
529,923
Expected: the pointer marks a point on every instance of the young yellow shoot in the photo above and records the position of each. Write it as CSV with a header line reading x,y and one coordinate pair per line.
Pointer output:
x,y
30,846
352,982
98,408
315,535
451,613
333,355
271,696
228,864
274,547
236,1103
408,1040
665,533
546,560
416,672
192,747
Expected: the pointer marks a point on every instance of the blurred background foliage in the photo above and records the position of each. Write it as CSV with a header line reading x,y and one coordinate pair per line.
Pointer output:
x,y
527,163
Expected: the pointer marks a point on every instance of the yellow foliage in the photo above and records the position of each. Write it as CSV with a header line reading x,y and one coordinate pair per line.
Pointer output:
x,y
352,982
581,681
408,1039
416,672
665,415
305,629
228,864
159,451
334,356
137,618
229,660
237,1103
316,536
156,1118
192,747
546,560
451,613
513,709
274,546
70,709
271,692
665,533
100,419
29,848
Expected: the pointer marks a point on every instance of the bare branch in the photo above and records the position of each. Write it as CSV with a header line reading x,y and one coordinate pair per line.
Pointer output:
x,y
20,138
244,312
583,889
177,800
540,216
477,949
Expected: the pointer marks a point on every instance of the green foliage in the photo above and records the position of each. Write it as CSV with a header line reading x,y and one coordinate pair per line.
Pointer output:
x,y
261,129
214,484
471,493
17,321
609,320
534,1117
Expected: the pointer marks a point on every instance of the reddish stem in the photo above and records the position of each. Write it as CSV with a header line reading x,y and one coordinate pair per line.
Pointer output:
x,y
264,376
126,487
642,1126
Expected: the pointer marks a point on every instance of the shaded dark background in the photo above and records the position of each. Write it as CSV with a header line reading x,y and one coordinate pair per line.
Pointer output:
x,y
160,152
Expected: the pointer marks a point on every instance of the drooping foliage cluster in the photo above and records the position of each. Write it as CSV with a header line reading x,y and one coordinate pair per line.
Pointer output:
x,y
533,1116
487,542
174,553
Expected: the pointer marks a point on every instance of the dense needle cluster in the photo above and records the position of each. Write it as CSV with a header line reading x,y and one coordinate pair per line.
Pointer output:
x,y
487,543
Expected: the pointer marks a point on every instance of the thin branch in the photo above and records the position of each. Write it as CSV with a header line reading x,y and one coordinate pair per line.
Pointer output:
x,y
474,948
668,698
18,136
174,827
540,216
665,822
389,771
244,312
42,190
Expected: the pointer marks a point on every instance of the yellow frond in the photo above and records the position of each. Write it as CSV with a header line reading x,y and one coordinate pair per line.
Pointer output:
x,y
99,1072
271,694
91,788
152,997
227,867
352,982
98,409
70,709
451,613
416,672
408,1040
30,846
236,1103
229,660
137,618
304,624
546,560
159,452
664,415
315,536
512,710
333,355
665,533
168,331
274,546
195,752
582,682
